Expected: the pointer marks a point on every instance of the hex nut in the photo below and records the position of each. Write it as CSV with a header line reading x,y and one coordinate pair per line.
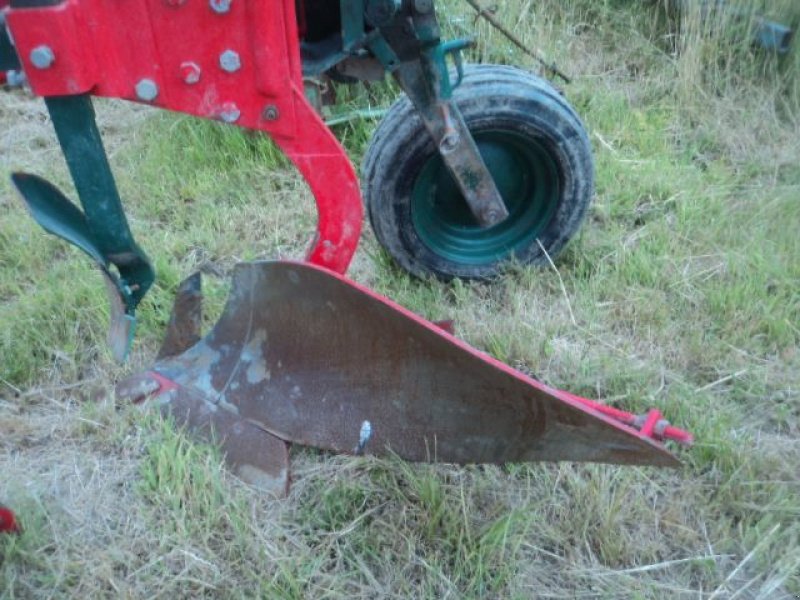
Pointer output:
x,y
146,90
271,113
42,57
220,6
190,72
229,61
449,142
15,78
230,113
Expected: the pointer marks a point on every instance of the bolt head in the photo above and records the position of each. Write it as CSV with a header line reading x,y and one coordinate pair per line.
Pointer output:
x,y
271,113
449,143
15,78
229,61
42,57
190,72
146,90
230,113
220,6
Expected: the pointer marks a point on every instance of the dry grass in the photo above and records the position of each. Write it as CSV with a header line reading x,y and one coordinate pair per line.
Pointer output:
x,y
682,292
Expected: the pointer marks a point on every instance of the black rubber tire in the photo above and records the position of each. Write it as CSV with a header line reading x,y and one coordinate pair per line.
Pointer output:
x,y
490,97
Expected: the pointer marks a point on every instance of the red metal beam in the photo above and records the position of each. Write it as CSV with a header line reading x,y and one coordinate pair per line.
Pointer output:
x,y
233,60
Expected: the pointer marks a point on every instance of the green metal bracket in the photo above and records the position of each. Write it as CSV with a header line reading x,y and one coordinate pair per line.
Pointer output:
x,y
101,229
57,215
74,122
438,56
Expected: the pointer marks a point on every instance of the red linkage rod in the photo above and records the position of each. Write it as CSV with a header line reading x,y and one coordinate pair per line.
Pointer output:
x,y
8,522
651,425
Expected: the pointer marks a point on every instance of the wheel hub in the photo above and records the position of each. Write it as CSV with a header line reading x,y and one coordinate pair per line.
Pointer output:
x,y
528,180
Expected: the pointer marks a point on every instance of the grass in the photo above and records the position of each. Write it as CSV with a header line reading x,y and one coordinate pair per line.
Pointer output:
x,y
681,292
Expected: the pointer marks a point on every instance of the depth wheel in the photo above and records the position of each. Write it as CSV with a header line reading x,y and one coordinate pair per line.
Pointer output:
x,y
537,151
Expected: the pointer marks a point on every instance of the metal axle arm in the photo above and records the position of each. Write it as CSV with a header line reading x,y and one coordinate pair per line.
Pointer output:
x,y
406,41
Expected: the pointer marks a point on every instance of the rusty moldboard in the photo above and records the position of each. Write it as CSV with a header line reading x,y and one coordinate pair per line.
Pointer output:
x,y
311,357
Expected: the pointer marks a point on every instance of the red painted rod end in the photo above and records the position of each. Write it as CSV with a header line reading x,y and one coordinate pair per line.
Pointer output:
x,y
8,521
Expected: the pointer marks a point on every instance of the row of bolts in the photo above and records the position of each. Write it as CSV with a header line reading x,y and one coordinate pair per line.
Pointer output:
x,y
43,57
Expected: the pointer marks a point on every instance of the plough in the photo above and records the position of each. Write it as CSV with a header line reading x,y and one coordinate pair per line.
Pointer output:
x,y
476,165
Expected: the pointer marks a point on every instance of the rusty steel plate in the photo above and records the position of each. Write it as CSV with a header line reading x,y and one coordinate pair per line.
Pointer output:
x,y
183,329
318,360
255,455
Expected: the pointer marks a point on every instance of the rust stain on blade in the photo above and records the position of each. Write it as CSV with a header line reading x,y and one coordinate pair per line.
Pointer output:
x,y
183,330
255,455
332,355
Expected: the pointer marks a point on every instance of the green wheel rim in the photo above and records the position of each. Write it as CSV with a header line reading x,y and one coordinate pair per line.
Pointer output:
x,y
528,180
